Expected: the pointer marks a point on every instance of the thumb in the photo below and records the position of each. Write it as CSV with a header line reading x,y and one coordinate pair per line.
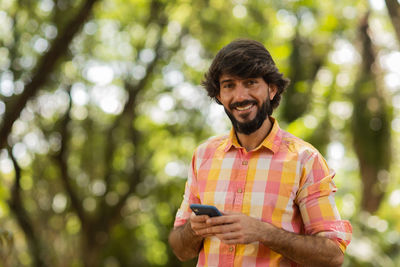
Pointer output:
x,y
228,213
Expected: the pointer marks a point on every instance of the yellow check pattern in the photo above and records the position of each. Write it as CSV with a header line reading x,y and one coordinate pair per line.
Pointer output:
x,y
284,181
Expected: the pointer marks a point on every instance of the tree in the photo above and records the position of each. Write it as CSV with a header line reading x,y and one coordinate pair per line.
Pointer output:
x,y
371,125
15,104
393,8
101,110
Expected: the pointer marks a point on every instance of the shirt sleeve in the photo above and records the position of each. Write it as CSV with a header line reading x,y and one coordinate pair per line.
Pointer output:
x,y
190,196
316,202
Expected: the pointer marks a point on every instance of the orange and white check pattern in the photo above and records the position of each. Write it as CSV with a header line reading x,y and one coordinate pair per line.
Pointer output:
x,y
284,181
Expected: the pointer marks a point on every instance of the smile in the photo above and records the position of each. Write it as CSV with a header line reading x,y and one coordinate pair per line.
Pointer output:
x,y
244,108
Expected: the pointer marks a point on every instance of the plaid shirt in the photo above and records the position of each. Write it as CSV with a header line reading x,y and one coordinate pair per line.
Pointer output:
x,y
284,181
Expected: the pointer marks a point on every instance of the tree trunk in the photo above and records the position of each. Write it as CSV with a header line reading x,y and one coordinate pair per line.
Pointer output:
x,y
394,12
91,248
371,126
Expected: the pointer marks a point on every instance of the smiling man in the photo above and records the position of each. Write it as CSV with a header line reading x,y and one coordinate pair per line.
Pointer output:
x,y
275,191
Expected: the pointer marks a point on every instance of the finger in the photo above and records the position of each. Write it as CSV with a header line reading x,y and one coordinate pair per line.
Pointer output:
x,y
229,213
204,232
223,229
221,220
233,241
199,226
207,230
198,218
230,236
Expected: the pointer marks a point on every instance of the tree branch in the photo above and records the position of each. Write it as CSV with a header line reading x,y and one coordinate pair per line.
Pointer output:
x,y
135,176
22,216
62,158
13,50
43,70
393,8
112,215
133,90
140,163
128,111
303,69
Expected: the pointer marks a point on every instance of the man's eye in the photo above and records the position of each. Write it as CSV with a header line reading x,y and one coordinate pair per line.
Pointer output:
x,y
228,85
251,82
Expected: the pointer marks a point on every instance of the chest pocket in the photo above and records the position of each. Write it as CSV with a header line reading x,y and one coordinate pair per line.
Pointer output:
x,y
213,184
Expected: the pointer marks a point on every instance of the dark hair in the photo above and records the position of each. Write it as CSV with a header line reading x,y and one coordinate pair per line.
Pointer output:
x,y
245,59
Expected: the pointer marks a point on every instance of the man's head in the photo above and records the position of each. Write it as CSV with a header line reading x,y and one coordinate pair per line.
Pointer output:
x,y
240,62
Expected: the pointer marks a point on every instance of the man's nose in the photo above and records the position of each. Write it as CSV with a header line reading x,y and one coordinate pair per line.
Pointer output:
x,y
241,93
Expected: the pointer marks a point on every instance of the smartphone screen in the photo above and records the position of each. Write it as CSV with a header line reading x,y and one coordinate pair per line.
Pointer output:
x,y
209,210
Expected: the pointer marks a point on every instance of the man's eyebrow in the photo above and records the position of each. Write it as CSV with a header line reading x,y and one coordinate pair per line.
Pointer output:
x,y
226,80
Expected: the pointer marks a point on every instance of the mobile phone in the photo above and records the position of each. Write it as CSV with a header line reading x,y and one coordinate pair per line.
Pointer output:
x,y
209,210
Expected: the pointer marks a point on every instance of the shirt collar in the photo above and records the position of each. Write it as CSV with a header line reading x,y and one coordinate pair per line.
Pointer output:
x,y
271,142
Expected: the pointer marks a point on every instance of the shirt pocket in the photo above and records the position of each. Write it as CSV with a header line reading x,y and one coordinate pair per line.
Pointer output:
x,y
214,188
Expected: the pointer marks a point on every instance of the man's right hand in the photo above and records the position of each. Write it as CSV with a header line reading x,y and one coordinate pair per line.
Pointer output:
x,y
186,240
199,226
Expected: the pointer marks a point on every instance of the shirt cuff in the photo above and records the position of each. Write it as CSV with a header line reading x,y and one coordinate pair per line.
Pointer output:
x,y
339,231
179,222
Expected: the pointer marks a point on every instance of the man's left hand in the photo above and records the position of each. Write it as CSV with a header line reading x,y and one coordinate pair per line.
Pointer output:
x,y
236,228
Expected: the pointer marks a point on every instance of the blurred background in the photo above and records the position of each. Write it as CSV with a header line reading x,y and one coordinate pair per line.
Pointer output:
x,y
101,110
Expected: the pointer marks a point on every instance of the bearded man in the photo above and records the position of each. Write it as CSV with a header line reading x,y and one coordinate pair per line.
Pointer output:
x,y
274,190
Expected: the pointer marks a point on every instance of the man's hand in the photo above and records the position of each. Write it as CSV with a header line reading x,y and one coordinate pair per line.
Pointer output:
x,y
199,226
186,240
235,228
308,250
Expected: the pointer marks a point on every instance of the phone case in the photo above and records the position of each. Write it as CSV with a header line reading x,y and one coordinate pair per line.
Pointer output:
x,y
209,210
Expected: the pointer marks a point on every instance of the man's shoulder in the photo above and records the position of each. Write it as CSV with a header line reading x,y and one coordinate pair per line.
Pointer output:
x,y
212,144
297,145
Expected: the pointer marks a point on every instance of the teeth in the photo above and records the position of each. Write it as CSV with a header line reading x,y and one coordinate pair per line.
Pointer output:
x,y
244,108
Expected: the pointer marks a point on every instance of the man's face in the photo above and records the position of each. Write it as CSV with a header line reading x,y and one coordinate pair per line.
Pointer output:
x,y
246,101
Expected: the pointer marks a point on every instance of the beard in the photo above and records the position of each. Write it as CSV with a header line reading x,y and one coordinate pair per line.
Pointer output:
x,y
253,125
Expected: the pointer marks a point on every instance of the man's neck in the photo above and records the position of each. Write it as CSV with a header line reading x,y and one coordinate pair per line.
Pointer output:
x,y
253,140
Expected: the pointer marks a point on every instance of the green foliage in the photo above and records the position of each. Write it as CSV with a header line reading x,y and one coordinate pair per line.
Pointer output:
x,y
113,129
6,244
371,119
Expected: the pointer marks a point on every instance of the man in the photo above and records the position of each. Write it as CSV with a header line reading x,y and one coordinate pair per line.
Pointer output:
x,y
274,190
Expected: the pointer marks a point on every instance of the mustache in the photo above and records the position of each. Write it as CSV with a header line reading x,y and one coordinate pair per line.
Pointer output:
x,y
242,103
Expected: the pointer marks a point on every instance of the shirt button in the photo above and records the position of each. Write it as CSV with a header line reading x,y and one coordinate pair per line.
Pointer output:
x,y
245,162
231,249
239,190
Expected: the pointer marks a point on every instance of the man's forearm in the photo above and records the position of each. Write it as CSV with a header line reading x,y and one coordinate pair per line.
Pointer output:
x,y
307,250
185,244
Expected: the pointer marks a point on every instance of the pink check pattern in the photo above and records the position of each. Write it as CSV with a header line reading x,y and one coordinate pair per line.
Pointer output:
x,y
284,181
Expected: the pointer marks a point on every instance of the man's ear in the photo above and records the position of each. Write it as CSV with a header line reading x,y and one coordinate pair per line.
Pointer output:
x,y
218,99
273,89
